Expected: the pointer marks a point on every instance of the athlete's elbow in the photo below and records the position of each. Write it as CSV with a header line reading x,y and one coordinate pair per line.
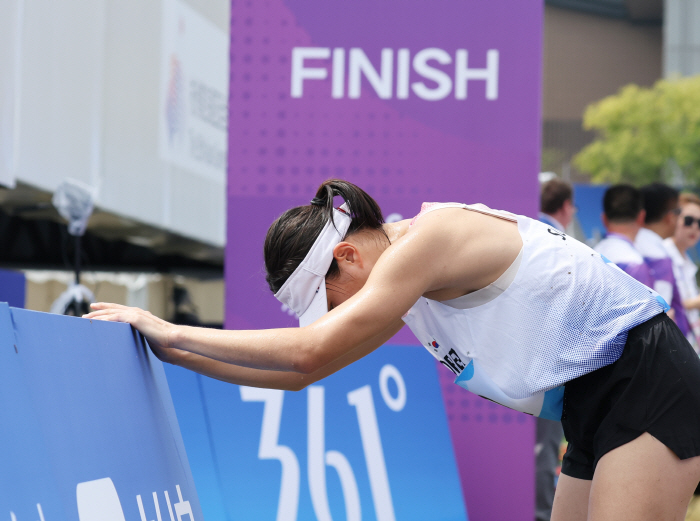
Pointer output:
x,y
297,386
307,361
306,364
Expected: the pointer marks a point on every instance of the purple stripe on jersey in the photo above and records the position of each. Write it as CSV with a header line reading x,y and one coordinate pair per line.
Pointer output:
x,y
662,270
620,249
640,272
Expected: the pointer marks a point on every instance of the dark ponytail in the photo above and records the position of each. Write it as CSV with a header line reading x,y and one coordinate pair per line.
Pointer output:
x,y
291,236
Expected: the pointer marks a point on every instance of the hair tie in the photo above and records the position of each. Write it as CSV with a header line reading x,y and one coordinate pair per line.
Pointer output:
x,y
316,201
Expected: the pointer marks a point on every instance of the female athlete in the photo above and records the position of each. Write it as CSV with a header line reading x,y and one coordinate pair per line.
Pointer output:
x,y
521,313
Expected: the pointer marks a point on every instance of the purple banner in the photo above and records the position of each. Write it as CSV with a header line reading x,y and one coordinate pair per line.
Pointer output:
x,y
414,101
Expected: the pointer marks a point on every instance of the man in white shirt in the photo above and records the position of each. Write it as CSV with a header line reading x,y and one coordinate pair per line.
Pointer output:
x,y
623,216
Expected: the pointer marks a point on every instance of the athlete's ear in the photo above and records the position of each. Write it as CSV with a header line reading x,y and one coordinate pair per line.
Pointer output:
x,y
604,218
345,252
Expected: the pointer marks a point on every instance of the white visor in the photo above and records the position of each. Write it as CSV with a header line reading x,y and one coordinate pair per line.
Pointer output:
x,y
304,292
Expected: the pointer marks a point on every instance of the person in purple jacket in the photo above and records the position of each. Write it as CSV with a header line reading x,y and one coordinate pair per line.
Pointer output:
x,y
623,216
662,210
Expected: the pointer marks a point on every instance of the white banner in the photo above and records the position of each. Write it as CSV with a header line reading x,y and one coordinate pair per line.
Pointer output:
x,y
82,96
193,92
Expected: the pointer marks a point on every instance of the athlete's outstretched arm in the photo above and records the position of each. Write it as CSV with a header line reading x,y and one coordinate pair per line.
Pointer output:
x,y
378,306
285,380
427,259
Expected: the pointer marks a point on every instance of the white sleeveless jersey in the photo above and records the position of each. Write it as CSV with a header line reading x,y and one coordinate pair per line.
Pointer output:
x,y
560,311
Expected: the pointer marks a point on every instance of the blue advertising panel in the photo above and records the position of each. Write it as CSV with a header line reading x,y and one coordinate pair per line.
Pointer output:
x,y
589,202
88,431
370,442
12,288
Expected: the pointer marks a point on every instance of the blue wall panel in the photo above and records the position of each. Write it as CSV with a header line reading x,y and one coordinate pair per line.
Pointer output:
x,y
380,423
87,426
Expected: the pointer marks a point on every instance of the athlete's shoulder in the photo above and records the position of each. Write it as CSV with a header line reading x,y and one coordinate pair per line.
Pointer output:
x,y
426,208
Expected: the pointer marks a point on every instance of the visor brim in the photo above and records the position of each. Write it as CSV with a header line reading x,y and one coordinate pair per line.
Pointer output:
x,y
317,308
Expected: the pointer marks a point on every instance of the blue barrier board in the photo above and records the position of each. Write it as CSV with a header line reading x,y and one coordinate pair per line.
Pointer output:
x,y
88,431
370,442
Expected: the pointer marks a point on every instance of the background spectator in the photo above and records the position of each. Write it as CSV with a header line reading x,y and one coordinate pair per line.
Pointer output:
x,y
623,217
556,204
684,269
661,205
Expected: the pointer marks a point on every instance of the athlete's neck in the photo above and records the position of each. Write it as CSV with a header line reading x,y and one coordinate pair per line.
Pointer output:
x,y
394,231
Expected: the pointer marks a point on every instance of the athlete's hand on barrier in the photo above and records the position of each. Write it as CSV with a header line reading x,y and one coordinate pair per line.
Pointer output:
x,y
157,331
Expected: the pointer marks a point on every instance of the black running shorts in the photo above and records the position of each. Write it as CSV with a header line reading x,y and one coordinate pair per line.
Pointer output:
x,y
653,387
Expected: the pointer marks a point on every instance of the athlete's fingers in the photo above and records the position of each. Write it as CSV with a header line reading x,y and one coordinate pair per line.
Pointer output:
x,y
156,330
105,305
114,315
102,307
98,313
108,306
111,317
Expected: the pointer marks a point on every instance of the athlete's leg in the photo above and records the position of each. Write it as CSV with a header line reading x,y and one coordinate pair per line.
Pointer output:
x,y
642,480
571,499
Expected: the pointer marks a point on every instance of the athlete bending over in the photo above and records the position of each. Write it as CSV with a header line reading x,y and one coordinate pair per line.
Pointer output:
x,y
521,313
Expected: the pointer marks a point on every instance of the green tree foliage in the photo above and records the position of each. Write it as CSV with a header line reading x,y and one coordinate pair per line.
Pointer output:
x,y
645,135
